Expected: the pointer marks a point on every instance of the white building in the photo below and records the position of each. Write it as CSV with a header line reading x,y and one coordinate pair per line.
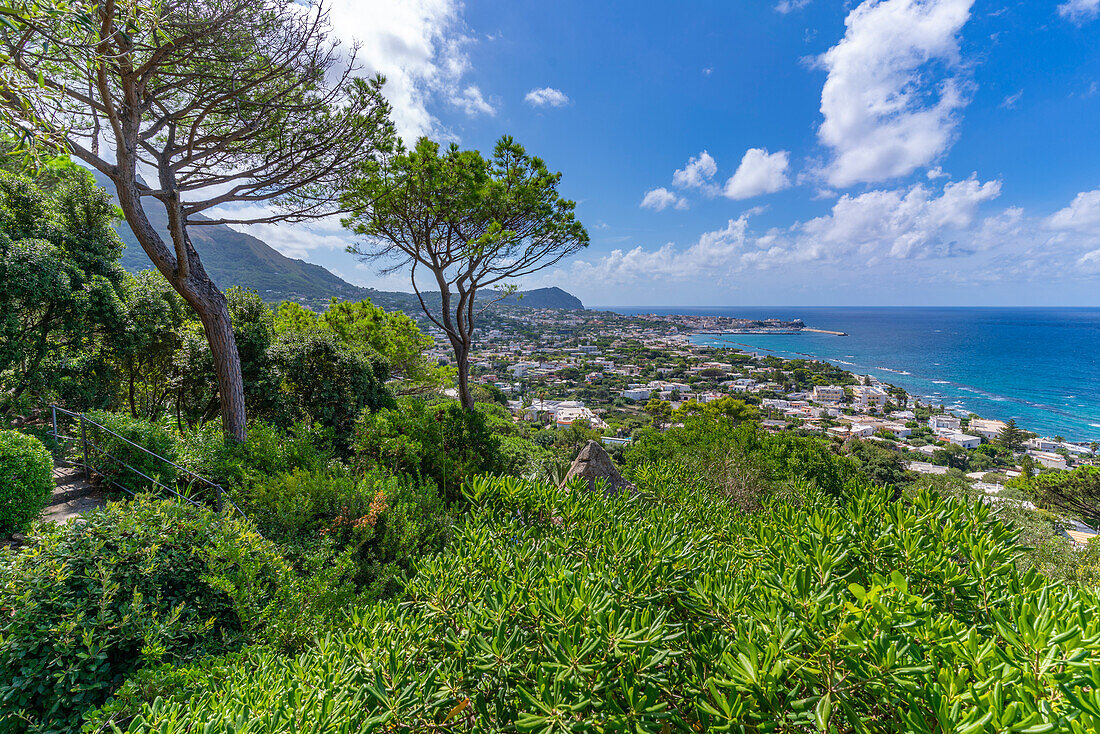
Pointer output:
x,y
637,393
899,430
1049,459
520,369
566,415
870,397
863,430
964,440
828,394
987,429
1041,444
944,423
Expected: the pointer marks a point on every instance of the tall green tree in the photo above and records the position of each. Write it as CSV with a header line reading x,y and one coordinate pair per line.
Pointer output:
x,y
465,223
155,322
361,324
59,284
1011,436
216,103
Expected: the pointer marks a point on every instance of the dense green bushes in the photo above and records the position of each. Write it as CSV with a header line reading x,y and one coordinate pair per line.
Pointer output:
x,y
382,522
324,381
89,603
1074,492
26,479
440,441
267,451
563,610
743,460
123,463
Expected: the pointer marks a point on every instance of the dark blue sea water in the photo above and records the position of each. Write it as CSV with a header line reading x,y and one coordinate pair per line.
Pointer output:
x,y
1040,366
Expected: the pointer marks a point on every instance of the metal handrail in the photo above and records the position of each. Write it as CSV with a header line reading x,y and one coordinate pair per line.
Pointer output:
x,y
88,467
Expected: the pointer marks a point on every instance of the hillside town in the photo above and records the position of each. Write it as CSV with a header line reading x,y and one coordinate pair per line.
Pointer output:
x,y
616,374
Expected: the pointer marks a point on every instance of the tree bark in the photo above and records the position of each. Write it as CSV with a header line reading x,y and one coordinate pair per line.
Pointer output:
x,y
462,362
213,311
190,280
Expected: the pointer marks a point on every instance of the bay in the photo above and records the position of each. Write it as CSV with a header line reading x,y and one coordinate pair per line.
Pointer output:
x,y
1040,366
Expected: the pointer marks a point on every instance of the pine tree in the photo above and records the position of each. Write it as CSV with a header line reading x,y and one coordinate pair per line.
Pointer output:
x,y
1011,436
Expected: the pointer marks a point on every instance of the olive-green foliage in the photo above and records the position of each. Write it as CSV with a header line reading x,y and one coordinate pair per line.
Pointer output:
x,y
112,453
881,465
266,452
361,324
86,604
742,457
1074,492
519,457
59,280
383,522
1048,551
152,334
435,440
563,610
25,479
326,381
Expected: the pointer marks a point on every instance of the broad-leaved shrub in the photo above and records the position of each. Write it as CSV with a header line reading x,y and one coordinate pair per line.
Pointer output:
x,y
86,604
436,440
26,479
562,610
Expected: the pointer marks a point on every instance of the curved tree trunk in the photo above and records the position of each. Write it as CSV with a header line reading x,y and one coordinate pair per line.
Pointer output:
x,y
184,271
213,312
462,362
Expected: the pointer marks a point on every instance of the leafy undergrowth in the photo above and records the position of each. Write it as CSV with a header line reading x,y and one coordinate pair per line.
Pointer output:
x,y
564,610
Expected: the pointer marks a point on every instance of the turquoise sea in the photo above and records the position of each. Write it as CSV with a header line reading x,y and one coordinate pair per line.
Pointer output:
x,y
1040,366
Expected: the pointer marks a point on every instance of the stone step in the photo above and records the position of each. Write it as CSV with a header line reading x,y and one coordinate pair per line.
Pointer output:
x,y
63,475
71,491
72,509
71,495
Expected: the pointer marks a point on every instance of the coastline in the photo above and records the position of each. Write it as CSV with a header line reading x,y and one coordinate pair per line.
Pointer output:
x,y
924,396
1035,365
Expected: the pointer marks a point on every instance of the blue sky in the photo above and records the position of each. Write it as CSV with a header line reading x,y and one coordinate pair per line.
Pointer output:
x,y
893,152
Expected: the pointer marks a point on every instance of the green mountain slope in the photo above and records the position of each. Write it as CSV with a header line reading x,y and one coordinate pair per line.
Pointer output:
x,y
235,258
545,298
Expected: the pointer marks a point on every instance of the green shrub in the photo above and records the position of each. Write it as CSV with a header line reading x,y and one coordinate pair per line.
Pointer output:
x,y
26,479
744,459
329,382
266,452
381,522
1074,492
440,441
558,610
122,463
520,457
87,604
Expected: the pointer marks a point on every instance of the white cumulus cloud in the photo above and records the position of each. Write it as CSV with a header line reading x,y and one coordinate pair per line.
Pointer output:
x,y
471,101
697,173
418,45
896,223
760,172
546,97
1082,215
661,198
1080,11
884,114
914,223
